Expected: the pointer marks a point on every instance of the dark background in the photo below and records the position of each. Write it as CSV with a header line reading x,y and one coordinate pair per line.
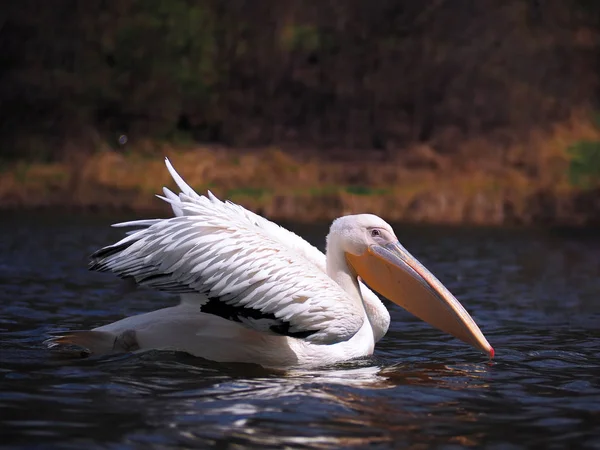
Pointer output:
x,y
335,76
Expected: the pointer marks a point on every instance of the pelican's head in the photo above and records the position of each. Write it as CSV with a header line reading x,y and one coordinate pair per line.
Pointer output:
x,y
373,252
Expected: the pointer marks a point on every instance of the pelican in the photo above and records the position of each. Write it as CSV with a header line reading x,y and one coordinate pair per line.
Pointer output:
x,y
253,292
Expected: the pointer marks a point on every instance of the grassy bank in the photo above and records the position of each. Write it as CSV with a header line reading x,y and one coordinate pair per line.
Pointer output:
x,y
529,184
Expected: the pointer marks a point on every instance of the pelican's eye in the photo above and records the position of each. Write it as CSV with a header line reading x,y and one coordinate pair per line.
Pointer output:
x,y
375,232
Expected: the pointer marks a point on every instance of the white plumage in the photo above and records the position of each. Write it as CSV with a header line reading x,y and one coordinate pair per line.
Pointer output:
x,y
251,291
219,258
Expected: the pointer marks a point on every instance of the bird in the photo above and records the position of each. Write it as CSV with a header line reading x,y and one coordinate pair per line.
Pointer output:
x,y
251,291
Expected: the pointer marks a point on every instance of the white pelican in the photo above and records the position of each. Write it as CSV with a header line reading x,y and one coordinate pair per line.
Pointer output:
x,y
252,291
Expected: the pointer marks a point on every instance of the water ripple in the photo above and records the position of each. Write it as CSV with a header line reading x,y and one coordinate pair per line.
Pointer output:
x,y
535,297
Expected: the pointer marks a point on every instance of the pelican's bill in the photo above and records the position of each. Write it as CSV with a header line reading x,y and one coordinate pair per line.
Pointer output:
x,y
397,275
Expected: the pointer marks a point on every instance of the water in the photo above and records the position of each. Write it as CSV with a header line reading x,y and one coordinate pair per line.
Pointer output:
x,y
535,295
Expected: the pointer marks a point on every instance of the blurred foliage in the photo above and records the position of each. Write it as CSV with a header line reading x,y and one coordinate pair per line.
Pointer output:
x,y
301,38
314,73
584,168
584,164
364,190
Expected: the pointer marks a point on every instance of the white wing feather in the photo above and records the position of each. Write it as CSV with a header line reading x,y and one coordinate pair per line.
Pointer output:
x,y
284,236
216,250
377,312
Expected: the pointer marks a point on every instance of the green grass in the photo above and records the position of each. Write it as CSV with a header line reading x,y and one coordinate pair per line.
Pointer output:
x,y
20,172
584,167
365,190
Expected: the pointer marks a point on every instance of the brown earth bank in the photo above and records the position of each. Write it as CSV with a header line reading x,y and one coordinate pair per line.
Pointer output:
x,y
421,187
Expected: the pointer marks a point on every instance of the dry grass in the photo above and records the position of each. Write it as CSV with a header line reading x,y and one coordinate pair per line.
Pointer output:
x,y
479,184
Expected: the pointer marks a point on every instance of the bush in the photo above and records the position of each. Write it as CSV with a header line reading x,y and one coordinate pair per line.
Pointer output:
x,y
584,168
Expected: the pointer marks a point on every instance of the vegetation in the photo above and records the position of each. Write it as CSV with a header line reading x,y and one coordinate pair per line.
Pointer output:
x,y
584,169
387,104
282,187
357,76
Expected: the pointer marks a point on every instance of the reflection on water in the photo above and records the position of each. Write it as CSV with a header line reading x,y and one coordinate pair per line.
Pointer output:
x,y
536,297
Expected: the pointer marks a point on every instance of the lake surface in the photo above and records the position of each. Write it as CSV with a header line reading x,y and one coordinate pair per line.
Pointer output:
x,y
535,295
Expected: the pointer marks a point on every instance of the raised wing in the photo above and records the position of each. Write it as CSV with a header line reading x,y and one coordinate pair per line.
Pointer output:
x,y
378,314
284,236
242,273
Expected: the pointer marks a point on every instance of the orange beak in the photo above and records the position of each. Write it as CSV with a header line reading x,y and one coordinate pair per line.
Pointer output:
x,y
397,275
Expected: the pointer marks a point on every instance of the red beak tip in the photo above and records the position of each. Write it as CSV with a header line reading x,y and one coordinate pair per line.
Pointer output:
x,y
492,353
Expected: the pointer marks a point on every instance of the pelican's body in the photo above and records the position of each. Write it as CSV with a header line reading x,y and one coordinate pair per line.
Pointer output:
x,y
254,292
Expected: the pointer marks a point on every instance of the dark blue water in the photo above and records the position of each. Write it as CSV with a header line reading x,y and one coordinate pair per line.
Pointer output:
x,y
535,295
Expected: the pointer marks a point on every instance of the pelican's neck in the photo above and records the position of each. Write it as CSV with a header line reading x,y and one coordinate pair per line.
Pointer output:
x,y
338,270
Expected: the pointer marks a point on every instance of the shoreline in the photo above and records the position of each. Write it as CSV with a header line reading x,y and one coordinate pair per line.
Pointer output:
x,y
277,185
